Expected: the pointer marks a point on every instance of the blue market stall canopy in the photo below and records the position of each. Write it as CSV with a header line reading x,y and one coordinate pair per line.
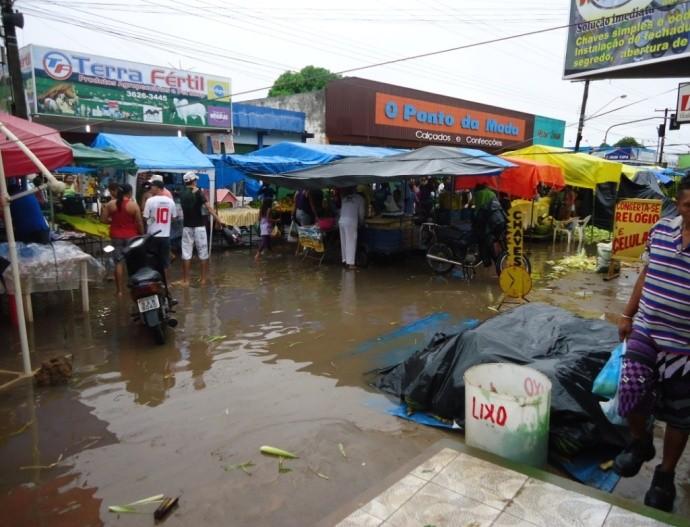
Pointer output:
x,y
428,161
282,158
165,153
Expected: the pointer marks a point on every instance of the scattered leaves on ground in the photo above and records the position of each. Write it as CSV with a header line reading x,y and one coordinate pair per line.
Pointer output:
x,y
342,450
244,467
278,452
132,507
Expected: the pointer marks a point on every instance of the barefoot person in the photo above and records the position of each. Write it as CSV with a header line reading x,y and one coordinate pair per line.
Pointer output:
x,y
352,213
655,376
124,216
265,228
193,203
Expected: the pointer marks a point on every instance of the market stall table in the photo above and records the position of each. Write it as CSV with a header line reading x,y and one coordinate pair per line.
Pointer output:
x,y
58,266
239,217
388,234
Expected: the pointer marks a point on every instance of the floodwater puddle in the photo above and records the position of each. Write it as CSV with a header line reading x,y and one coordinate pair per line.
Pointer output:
x,y
272,353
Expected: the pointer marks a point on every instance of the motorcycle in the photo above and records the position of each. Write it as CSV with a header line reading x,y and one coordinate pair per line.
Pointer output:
x,y
147,286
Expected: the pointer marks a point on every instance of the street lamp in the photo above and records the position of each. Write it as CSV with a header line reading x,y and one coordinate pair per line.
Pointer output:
x,y
628,122
593,114
581,122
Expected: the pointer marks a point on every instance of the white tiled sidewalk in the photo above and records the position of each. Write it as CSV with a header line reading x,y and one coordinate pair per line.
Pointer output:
x,y
457,489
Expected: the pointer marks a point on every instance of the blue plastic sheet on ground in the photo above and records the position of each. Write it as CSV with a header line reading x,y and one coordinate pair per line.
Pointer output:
x,y
420,417
400,343
584,467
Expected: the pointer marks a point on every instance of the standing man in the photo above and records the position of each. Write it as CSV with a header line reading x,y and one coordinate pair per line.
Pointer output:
x,y
655,374
193,203
158,213
351,217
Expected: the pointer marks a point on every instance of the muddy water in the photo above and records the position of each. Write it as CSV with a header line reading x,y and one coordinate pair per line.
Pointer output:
x,y
265,354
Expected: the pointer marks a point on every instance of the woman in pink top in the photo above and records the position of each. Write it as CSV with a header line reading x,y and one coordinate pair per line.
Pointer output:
x,y
124,216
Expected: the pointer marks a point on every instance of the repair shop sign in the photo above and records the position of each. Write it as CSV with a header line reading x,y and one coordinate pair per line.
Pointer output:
x,y
633,220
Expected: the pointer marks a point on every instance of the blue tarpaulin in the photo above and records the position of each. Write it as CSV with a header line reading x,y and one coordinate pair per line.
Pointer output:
x,y
227,174
268,119
163,153
430,161
318,154
282,158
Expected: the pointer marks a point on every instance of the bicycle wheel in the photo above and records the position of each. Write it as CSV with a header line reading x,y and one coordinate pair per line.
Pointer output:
x,y
440,250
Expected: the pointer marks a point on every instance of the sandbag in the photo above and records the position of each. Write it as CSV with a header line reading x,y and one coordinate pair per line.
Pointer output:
x,y
568,349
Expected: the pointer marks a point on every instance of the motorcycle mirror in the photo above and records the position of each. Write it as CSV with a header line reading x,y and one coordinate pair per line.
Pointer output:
x,y
108,249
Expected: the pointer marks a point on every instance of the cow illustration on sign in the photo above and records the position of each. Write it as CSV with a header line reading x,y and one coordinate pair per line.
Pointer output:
x,y
185,110
61,98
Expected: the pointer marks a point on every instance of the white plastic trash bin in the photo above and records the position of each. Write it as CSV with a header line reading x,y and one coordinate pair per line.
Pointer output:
x,y
507,410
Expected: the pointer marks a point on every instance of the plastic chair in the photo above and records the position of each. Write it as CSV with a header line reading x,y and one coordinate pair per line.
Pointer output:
x,y
563,227
579,230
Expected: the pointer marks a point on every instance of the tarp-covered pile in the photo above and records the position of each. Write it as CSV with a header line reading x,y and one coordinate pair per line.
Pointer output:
x,y
568,349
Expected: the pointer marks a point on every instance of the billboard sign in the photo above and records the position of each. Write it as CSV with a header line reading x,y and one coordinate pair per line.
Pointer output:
x,y
84,86
611,35
683,107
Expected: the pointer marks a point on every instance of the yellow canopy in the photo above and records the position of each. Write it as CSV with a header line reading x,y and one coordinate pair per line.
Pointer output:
x,y
581,170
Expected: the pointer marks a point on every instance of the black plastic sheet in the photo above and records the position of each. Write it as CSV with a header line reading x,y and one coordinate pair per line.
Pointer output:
x,y
566,348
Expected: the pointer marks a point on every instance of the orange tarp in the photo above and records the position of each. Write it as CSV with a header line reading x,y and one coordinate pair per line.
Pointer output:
x,y
520,181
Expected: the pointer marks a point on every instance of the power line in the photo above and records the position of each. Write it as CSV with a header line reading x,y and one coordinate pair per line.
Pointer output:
x,y
448,50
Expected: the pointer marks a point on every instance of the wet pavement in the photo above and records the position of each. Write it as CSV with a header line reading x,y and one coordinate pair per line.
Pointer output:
x,y
266,354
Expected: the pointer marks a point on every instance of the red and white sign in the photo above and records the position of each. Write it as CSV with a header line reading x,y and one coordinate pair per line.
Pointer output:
x,y
683,108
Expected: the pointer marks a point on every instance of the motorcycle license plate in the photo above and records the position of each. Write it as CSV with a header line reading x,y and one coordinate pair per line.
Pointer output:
x,y
148,303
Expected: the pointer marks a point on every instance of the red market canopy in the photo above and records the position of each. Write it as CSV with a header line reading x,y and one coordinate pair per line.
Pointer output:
x,y
43,141
520,181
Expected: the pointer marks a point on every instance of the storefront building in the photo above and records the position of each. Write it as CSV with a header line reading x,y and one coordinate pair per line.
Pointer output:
x,y
82,94
363,112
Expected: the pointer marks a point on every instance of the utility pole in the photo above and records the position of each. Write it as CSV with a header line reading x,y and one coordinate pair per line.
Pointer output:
x,y
10,21
581,124
662,136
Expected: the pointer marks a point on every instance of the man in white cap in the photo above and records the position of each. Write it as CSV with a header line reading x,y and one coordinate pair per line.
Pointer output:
x,y
193,202
146,187
158,177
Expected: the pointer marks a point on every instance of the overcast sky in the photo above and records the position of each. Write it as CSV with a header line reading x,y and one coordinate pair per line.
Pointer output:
x,y
252,42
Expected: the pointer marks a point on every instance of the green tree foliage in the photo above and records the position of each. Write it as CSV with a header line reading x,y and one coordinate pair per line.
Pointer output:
x,y
309,78
628,142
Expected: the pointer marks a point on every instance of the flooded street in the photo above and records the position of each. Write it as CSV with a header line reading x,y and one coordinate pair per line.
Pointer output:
x,y
267,354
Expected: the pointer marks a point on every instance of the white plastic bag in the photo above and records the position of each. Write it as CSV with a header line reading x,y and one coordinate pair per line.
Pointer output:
x,y
292,232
